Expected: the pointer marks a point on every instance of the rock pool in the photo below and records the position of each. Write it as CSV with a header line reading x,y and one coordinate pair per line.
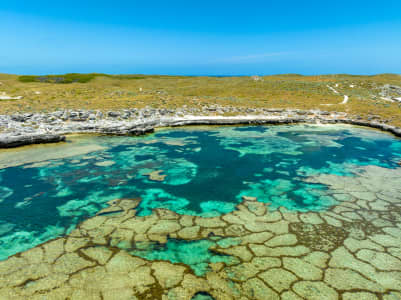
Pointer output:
x,y
292,212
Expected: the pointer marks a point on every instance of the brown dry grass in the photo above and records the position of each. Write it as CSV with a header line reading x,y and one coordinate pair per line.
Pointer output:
x,y
282,91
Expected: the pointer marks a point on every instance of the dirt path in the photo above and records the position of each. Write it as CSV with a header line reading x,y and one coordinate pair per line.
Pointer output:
x,y
346,98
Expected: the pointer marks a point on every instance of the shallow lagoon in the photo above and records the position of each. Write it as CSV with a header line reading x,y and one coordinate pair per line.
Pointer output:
x,y
207,171
285,212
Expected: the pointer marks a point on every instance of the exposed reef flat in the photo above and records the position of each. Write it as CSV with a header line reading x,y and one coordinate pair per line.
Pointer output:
x,y
350,251
25,129
45,190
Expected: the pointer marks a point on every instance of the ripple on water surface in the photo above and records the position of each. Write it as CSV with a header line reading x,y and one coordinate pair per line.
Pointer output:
x,y
196,171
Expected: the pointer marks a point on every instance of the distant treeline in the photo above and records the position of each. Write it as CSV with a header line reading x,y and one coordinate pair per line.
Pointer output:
x,y
81,78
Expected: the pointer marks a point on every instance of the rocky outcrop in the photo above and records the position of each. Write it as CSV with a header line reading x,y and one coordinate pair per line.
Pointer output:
x,y
22,140
391,92
24,129
235,121
384,127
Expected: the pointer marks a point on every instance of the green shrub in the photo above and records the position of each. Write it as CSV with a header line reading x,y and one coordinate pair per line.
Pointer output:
x,y
83,78
67,78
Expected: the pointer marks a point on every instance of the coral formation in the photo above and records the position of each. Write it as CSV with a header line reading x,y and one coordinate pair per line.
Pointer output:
x,y
339,239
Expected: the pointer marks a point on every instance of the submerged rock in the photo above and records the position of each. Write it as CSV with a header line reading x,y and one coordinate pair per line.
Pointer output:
x,y
117,253
156,176
250,250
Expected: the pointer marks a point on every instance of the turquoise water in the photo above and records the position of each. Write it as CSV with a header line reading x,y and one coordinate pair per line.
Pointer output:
x,y
202,296
207,171
195,254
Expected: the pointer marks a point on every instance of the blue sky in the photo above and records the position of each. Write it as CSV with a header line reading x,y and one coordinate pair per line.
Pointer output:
x,y
200,37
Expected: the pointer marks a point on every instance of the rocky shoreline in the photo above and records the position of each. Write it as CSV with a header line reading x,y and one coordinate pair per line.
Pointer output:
x,y
26,129
22,140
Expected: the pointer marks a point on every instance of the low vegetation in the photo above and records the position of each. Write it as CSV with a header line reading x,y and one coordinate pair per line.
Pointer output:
x,y
67,78
80,78
113,92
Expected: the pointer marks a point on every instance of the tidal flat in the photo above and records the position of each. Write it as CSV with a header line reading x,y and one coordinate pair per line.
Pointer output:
x,y
246,212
